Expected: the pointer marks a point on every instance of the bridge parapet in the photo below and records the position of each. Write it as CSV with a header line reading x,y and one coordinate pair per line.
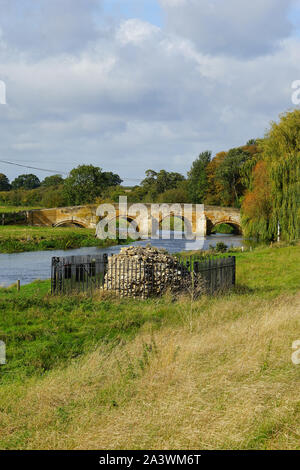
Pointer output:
x,y
83,216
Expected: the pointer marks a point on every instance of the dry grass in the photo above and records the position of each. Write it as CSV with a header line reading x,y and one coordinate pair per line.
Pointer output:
x,y
222,378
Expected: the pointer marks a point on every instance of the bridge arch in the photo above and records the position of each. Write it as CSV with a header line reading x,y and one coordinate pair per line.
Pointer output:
x,y
176,222
120,222
70,223
127,219
232,223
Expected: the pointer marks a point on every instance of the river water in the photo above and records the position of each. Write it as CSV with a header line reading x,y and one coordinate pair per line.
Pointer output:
x,y
33,265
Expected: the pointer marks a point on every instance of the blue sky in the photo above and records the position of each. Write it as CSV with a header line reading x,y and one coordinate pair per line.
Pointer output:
x,y
147,10
149,84
150,10
294,16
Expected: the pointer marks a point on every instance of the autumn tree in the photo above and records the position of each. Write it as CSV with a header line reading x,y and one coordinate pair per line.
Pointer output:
x,y
257,205
274,195
215,190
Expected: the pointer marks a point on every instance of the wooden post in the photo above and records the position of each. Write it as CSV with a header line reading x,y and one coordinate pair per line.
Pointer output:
x,y
18,285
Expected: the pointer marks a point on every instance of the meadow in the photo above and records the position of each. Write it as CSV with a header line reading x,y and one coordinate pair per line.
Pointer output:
x,y
100,372
17,238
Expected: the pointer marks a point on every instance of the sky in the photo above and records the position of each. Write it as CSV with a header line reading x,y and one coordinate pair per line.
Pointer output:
x,y
129,85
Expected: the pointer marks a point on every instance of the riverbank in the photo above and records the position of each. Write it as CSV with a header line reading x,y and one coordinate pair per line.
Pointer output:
x,y
214,373
12,209
18,239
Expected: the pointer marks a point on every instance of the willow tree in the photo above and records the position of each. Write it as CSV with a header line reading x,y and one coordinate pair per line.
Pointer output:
x,y
281,152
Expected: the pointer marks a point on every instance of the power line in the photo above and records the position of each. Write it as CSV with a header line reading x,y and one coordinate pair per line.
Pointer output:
x,y
33,167
55,171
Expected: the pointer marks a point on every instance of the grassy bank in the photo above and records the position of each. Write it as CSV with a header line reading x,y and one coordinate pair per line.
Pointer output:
x,y
11,209
16,239
105,373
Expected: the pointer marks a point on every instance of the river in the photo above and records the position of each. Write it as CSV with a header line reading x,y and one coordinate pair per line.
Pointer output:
x,y
33,265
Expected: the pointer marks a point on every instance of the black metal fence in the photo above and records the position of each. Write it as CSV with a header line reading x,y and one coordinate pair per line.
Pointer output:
x,y
132,278
218,273
78,273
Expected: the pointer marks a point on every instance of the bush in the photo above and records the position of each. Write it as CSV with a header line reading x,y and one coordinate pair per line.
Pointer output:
x,y
221,247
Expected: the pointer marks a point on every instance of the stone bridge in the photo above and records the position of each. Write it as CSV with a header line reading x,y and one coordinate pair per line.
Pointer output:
x,y
201,218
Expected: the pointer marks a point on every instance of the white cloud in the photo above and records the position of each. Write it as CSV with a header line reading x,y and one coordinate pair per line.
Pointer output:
x,y
136,31
231,27
47,27
135,96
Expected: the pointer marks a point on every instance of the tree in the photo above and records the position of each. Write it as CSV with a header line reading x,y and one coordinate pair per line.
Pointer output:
x,y
176,195
84,184
197,178
4,183
28,181
215,190
150,179
53,198
247,169
257,205
53,180
157,183
111,179
281,152
167,180
229,175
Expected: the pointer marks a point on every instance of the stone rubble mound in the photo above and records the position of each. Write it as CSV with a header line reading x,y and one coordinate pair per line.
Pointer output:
x,y
145,272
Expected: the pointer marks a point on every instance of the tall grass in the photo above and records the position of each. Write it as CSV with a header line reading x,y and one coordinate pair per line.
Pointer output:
x,y
212,373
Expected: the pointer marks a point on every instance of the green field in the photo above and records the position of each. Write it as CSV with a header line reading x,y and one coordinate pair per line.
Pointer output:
x,y
100,372
15,239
